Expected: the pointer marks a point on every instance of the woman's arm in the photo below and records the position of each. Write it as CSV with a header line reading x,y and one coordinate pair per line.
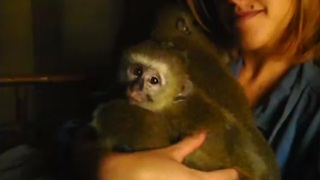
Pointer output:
x,y
161,164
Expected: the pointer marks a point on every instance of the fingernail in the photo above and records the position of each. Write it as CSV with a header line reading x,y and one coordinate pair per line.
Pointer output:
x,y
200,133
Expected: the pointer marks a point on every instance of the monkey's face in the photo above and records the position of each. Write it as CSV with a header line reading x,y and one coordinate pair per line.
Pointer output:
x,y
155,75
172,25
145,85
176,23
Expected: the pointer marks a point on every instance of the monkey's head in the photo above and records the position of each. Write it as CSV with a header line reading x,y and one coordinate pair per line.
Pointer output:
x,y
155,75
176,23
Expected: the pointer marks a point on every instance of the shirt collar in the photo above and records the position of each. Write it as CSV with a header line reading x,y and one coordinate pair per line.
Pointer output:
x,y
285,83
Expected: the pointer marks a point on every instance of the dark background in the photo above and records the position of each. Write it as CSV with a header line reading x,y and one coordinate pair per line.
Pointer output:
x,y
60,37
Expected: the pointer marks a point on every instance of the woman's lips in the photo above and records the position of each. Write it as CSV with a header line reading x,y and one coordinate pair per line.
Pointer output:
x,y
246,15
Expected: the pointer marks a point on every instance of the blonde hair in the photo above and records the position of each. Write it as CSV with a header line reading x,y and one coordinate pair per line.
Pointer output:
x,y
300,39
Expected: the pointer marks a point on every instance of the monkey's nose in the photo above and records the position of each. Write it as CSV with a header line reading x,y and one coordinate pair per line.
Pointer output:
x,y
137,84
141,84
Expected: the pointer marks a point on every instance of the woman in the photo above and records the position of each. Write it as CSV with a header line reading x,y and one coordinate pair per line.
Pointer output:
x,y
278,41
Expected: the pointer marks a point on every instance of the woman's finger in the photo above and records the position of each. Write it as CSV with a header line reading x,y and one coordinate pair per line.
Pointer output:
x,y
180,150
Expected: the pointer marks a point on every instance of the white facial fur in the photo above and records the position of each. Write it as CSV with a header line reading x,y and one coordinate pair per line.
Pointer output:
x,y
143,59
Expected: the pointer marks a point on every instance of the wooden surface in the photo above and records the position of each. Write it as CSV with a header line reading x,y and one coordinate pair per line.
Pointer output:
x,y
11,80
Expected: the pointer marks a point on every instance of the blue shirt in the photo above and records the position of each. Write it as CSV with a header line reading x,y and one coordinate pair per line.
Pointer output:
x,y
289,118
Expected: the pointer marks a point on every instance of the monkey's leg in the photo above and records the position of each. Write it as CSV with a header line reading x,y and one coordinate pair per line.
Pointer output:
x,y
122,127
228,144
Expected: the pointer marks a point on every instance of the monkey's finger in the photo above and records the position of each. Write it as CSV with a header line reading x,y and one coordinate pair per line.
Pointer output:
x,y
180,150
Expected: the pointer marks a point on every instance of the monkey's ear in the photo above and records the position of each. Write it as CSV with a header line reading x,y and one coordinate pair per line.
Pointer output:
x,y
186,90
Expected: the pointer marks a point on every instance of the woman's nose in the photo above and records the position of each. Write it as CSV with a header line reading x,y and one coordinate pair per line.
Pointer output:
x,y
237,1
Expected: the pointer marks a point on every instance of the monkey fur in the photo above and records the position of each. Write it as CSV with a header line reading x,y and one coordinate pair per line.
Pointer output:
x,y
215,103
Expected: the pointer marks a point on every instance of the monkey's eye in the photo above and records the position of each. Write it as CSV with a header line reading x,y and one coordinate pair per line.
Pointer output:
x,y
137,71
181,26
154,80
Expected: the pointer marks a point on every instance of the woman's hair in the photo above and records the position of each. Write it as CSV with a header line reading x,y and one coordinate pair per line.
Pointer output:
x,y
301,37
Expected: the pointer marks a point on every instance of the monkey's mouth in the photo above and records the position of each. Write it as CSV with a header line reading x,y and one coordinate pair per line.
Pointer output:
x,y
138,98
134,100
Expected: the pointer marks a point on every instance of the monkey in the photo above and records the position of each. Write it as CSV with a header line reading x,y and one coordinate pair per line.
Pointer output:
x,y
170,98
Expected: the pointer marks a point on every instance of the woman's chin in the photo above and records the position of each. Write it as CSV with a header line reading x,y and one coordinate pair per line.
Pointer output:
x,y
251,46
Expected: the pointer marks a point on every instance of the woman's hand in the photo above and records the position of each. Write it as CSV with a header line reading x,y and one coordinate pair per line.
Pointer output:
x,y
161,164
